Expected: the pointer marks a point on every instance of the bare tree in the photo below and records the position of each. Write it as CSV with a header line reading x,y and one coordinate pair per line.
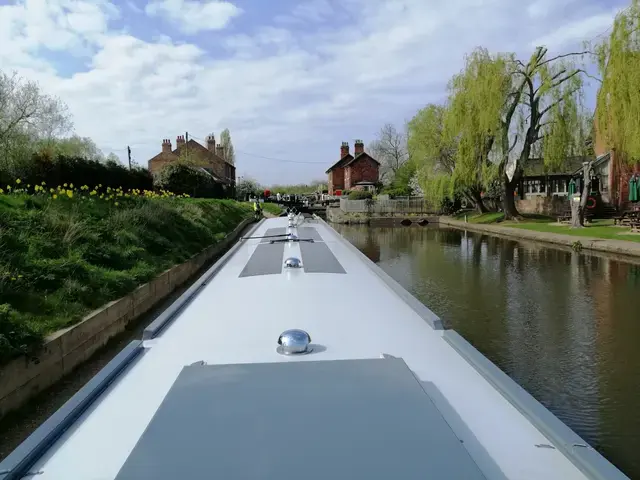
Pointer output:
x,y
390,149
24,109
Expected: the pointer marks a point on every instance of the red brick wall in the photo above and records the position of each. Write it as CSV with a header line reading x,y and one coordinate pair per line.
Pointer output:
x,y
362,170
623,172
336,180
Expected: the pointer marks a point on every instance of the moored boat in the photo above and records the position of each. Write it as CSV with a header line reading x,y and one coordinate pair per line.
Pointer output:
x,y
296,355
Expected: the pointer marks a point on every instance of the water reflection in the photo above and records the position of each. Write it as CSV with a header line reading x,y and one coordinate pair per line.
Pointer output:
x,y
564,325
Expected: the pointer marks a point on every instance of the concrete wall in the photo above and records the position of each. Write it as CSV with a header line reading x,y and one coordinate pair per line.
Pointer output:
x,y
386,207
24,377
543,205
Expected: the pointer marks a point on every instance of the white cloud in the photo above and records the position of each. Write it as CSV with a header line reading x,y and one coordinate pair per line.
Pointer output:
x,y
194,16
310,11
584,29
292,91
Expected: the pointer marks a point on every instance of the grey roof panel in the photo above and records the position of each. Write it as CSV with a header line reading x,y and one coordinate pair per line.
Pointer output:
x,y
310,232
265,260
318,258
315,420
273,231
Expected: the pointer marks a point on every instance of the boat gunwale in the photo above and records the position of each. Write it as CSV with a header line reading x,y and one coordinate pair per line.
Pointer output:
x,y
22,459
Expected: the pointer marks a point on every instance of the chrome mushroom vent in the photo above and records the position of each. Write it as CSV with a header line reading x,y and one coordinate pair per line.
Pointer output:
x,y
292,262
294,342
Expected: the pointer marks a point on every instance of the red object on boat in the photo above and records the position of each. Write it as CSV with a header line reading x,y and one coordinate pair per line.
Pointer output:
x,y
267,193
338,193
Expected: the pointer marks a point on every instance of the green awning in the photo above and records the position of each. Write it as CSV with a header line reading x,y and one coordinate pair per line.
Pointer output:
x,y
633,189
572,186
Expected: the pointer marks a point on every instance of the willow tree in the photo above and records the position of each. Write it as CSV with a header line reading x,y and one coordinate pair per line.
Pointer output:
x,y
618,106
476,100
433,158
546,96
504,110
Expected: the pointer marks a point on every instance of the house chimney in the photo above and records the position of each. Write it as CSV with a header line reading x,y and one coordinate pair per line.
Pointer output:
x,y
359,147
344,149
211,143
219,151
180,141
166,146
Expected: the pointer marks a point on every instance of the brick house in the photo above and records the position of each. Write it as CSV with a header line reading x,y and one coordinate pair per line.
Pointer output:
x,y
613,172
209,158
353,172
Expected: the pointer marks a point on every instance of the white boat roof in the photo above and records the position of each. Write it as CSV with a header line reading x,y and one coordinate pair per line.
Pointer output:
x,y
385,389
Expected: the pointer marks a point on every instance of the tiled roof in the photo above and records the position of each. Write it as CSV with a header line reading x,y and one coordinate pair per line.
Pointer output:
x,y
359,156
340,163
535,167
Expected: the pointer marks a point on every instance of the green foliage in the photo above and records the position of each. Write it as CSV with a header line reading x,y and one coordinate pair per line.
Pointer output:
x,y
61,259
70,147
299,189
247,187
74,170
272,208
473,117
228,152
360,195
618,105
181,178
400,187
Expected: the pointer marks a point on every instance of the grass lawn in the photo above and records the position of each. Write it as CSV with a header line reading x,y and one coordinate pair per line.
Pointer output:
x,y
64,256
272,208
599,229
541,223
498,217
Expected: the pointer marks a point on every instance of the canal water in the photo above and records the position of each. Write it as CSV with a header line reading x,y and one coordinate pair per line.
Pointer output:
x,y
565,326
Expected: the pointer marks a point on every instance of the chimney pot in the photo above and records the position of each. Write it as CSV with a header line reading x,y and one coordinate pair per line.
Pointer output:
x,y
180,141
211,143
344,149
166,145
359,147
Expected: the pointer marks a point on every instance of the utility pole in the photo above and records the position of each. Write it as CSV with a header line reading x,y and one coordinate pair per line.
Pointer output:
x,y
129,153
186,145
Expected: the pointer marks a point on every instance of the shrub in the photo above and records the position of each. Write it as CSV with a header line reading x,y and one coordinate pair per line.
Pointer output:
x,y
360,195
78,171
17,335
181,178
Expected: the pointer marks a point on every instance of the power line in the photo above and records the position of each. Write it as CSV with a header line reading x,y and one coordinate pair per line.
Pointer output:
x,y
270,158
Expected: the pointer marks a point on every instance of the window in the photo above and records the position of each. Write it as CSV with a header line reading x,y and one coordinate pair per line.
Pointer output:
x,y
534,186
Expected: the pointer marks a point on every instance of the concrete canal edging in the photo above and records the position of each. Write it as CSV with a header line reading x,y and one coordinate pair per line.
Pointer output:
x,y
620,247
24,377
335,215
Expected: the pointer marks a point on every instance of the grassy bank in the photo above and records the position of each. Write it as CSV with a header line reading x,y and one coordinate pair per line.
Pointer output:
x,y
541,223
63,255
271,208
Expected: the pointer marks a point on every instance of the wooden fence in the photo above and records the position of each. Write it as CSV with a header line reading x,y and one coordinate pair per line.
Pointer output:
x,y
414,205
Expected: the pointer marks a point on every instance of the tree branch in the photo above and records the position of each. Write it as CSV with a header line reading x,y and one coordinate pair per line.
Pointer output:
x,y
573,54
557,102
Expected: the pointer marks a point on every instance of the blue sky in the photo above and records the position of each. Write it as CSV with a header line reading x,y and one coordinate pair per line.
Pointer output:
x,y
291,79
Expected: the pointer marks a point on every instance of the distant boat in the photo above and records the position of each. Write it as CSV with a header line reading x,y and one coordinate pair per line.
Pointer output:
x,y
295,356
